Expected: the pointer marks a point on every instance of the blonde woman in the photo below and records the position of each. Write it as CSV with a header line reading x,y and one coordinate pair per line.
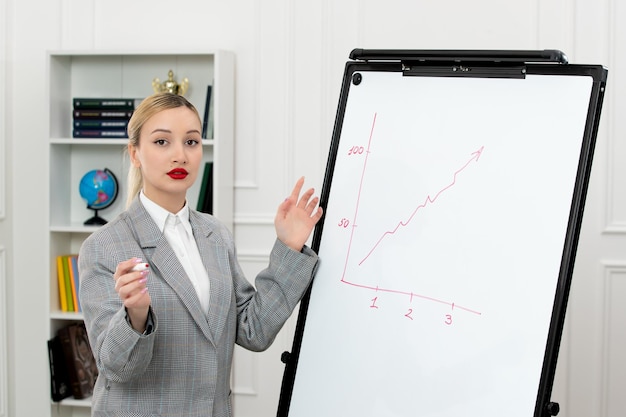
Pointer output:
x,y
163,296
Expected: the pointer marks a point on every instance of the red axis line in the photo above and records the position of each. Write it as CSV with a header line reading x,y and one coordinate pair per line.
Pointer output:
x,y
358,199
429,199
412,295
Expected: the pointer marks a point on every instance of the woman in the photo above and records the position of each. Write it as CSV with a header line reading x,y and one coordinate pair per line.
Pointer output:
x,y
164,305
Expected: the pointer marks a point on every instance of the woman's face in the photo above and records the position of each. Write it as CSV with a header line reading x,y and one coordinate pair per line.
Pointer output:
x,y
169,155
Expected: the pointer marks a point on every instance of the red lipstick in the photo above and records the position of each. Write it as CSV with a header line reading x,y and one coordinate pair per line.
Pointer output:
x,y
178,173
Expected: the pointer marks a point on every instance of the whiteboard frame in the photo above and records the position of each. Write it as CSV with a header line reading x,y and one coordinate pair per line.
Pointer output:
x,y
501,64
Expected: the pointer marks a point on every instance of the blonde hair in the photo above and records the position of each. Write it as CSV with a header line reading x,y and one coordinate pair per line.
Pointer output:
x,y
149,107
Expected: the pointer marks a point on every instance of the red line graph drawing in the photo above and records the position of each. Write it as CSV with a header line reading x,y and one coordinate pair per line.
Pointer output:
x,y
475,156
428,200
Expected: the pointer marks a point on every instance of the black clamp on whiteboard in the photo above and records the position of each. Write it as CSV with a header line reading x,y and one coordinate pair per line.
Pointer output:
x,y
462,63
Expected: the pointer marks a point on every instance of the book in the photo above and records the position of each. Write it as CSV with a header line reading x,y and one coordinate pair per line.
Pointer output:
x,y
79,361
207,107
106,103
73,281
208,198
59,382
99,133
203,187
61,280
74,272
109,124
68,284
205,198
102,114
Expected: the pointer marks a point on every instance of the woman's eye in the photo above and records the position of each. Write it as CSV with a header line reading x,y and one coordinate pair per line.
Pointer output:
x,y
160,142
192,142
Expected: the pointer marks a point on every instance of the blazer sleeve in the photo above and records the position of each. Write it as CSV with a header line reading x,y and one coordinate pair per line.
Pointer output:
x,y
261,313
120,352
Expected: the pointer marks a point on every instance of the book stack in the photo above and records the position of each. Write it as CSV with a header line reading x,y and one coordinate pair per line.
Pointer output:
x,y
102,117
67,274
73,369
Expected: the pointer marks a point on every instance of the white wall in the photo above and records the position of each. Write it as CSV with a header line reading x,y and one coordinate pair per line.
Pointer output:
x,y
289,62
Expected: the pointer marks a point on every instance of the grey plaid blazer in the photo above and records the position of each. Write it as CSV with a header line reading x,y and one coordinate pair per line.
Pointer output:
x,y
183,367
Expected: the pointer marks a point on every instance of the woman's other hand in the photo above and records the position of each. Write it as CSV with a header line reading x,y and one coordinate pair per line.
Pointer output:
x,y
297,216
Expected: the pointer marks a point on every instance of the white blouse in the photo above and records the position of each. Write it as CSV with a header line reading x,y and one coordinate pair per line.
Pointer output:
x,y
179,235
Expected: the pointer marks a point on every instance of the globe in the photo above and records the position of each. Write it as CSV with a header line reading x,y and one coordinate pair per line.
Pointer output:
x,y
99,189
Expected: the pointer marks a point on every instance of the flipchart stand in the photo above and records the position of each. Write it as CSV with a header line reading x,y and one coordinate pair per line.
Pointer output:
x,y
453,198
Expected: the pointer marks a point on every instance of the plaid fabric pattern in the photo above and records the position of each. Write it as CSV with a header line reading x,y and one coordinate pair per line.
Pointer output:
x,y
183,367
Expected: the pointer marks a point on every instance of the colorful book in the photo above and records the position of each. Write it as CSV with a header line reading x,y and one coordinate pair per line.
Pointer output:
x,y
79,360
106,103
74,273
108,124
99,133
102,114
70,268
68,284
61,279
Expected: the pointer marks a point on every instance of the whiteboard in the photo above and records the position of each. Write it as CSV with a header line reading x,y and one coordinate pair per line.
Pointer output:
x,y
448,205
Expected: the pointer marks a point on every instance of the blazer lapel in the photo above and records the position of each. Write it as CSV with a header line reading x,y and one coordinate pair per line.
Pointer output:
x,y
216,262
163,260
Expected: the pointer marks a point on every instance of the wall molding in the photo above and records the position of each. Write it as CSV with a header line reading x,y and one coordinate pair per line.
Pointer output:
x,y
615,229
614,169
4,378
258,219
3,54
245,373
253,257
614,278
4,394
246,184
290,93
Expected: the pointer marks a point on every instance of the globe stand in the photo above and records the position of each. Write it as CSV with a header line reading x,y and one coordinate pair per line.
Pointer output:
x,y
99,189
95,220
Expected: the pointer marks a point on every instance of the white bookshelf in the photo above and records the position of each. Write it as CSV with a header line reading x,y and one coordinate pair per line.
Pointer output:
x,y
129,75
